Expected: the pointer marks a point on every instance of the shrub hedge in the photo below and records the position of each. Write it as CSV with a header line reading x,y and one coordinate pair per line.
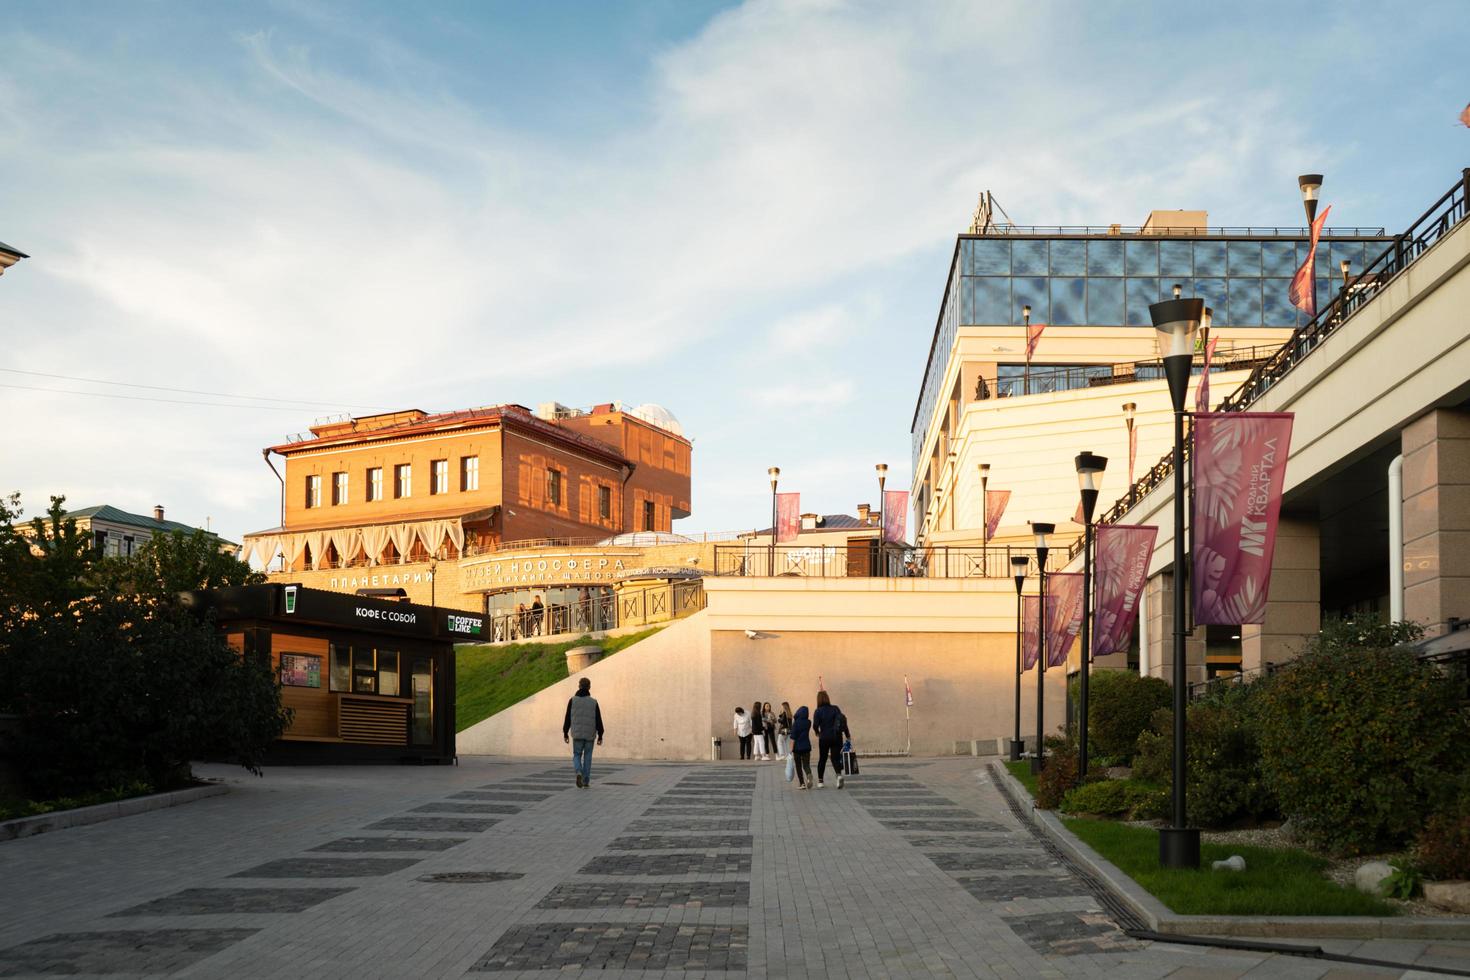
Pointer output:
x,y
1109,798
1442,848
1120,704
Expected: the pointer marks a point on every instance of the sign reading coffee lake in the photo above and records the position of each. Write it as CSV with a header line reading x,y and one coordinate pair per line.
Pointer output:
x,y
468,625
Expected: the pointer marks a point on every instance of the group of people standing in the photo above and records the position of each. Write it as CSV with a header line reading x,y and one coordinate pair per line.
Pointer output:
x,y
765,734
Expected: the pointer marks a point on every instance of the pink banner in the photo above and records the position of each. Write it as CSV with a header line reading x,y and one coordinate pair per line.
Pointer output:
x,y
788,517
1239,471
1303,289
995,506
895,515
1120,571
1033,337
1202,393
1063,615
1030,636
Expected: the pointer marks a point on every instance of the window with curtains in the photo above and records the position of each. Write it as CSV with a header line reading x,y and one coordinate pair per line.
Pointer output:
x,y
439,476
375,483
469,473
339,489
313,491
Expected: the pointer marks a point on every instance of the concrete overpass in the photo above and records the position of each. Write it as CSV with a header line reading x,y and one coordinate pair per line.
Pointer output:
x,y
1380,384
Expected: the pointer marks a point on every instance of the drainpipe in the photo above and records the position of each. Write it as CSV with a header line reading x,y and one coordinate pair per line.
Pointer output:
x,y
624,513
266,455
1396,539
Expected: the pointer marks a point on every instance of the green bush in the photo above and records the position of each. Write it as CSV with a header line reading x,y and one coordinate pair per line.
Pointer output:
x,y
1120,704
1358,738
1442,848
1108,798
1226,784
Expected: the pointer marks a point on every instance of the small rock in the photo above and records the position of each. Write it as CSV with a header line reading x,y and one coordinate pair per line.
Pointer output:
x,y
1453,896
1370,878
1233,863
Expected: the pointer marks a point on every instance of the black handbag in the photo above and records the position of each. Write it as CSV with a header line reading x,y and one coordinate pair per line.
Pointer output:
x,y
850,763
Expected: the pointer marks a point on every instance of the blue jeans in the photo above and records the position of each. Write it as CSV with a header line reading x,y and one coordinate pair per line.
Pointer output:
x,y
582,758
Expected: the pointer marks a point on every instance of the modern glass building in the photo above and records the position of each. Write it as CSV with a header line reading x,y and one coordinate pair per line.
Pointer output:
x,y
1108,276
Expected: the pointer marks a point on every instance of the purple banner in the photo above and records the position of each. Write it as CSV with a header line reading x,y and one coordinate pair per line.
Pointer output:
x,y
788,517
1120,571
995,506
895,515
1063,615
1239,472
1030,636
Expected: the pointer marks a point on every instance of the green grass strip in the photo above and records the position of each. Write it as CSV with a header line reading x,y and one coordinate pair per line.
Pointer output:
x,y
1277,881
1022,771
489,679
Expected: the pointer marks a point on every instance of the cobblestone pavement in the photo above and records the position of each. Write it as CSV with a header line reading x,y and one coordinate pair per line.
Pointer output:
x,y
497,869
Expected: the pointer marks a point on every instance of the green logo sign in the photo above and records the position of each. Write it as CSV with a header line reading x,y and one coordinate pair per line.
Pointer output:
x,y
290,599
469,625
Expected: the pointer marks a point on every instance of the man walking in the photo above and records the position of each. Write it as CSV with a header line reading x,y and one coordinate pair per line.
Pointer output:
x,y
583,722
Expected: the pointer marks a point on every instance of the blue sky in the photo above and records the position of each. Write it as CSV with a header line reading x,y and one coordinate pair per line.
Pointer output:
x,y
743,212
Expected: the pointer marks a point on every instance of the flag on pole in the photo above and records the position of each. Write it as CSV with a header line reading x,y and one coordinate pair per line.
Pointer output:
x,y
908,693
995,505
788,517
1202,393
1465,116
1063,615
1303,291
1033,337
1120,572
1239,473
895,516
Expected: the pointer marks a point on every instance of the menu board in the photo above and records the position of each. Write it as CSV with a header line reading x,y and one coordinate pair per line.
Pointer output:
x,y
301,670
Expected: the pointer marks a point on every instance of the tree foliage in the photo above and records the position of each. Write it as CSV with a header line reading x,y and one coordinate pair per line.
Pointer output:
x,y
111,679
1120,704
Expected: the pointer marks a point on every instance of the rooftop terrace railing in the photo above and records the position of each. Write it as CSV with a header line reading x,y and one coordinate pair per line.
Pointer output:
x,y
1443,216
1246,231
1044,380
863,561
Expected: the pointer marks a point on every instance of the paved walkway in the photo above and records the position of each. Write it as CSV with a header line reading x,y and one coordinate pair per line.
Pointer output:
x,y
497,868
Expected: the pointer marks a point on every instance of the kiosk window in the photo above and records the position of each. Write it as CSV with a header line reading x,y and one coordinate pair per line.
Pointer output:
x,y
388,672
341,676
364,672
422,729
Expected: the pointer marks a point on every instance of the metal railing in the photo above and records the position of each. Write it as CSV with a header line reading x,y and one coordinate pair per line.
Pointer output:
x,y
630,539
1434,224
838,561
1247,231
632,607
1046,380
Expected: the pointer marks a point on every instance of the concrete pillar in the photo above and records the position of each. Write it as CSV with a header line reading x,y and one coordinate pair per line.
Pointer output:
x,y
1294,605
1436,448
1159,606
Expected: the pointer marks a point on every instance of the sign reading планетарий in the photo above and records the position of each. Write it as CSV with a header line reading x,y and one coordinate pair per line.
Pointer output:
x,y
382,581
512,571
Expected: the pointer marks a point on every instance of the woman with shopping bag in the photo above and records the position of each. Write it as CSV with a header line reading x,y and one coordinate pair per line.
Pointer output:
x,y
801,748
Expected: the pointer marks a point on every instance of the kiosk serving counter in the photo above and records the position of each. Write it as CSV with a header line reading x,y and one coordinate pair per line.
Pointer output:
x,y
367,679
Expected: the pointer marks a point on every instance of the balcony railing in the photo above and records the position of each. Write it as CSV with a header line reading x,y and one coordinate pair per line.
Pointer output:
x,y
1044,380
1243,231
837,561
1437,222
631,607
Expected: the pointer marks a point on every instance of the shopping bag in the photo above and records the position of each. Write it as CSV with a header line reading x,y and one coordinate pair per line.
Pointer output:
x,y
850,762
790,767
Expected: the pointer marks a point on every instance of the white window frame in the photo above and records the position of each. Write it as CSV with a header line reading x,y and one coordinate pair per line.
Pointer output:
x,y
469,473
313,491
438,477
402,481
340,488
374,483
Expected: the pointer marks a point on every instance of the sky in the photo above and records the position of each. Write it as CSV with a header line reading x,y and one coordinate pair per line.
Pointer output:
x,y
743,212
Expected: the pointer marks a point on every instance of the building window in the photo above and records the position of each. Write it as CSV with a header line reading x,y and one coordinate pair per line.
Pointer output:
x,y
648,516
553,487
403,480
439,476
339,489
375,483
313,491
469,473
604,502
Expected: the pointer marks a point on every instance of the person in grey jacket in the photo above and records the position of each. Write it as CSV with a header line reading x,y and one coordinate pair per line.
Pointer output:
x,y
582,723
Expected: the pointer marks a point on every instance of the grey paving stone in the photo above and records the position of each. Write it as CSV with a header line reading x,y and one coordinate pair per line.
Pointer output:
x,y
1006,888
327,868
467,808
469,877
151,951
390,844
663,842
687,823
907,801
885,778
488,793
1009,842
710,791
1007,860
702,863
695,810
612,946
226,901
647,894
922,812
1070,933
955,825
449,825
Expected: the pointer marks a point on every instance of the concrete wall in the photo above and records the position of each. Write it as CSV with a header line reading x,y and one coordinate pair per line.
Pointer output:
x,y
654,695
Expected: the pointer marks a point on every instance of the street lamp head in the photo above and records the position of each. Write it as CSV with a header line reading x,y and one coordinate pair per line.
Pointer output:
x,y
1019,564
775,474
1026,314
1345,266
1311,185
1090,468
882,469
1178,289
984,471
1129,408
1040,531
1176,323
1205,320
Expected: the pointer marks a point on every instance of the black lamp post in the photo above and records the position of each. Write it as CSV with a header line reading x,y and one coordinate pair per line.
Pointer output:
x,y
1175,325
775,474
878,567
954,486
1018,567
1129,408
1026,316
1311,188
1038,761
1089,474
984,509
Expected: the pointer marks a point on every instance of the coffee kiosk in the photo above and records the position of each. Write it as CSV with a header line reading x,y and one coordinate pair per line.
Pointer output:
x,y
367,679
